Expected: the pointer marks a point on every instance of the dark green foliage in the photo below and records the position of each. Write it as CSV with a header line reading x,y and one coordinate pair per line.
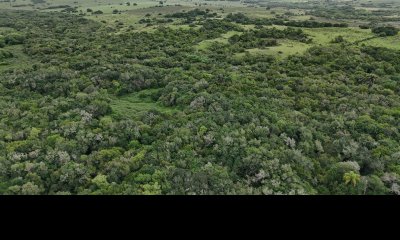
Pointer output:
x,y
14,39
243,19
220,26
385,31
38,1
5,54
338,39
192,14
196,121
2,41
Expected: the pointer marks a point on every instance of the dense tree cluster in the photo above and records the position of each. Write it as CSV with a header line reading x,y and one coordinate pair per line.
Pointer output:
x,y
243,19
384,31
38,1
11,38
5,54
192,15
318,123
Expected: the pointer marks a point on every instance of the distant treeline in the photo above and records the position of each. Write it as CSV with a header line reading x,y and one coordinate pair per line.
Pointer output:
x,y
38,1
384,31
243,19
23,5
192,14
58,6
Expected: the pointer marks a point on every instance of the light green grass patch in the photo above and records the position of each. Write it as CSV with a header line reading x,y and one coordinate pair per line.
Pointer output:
x,y
284,49
288,47
132,105
392,42
19,59
176,26
279,27
326,35
223,39
300,17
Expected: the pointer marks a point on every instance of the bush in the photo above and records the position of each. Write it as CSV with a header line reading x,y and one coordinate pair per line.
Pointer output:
x,y
338,39
385,31
364,27
38,1
2,42
5,54
14,39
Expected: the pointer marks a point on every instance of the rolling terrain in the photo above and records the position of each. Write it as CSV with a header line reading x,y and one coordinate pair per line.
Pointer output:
x,y
199,97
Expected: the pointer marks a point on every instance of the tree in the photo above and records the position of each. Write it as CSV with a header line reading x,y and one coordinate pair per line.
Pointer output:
x,y
38,1
385,31
338,39
101,181
14,39
30,189
351,177
2,41
5,54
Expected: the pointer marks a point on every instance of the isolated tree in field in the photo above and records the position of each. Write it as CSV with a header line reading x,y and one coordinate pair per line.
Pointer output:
x,y
338,39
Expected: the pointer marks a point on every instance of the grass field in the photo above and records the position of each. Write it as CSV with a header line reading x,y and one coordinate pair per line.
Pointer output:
x,y
388,42
325,35
286,48
132,105
139,9
223,39
19,59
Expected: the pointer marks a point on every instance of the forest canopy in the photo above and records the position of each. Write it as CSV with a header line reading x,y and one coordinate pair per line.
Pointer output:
x,y
208,102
